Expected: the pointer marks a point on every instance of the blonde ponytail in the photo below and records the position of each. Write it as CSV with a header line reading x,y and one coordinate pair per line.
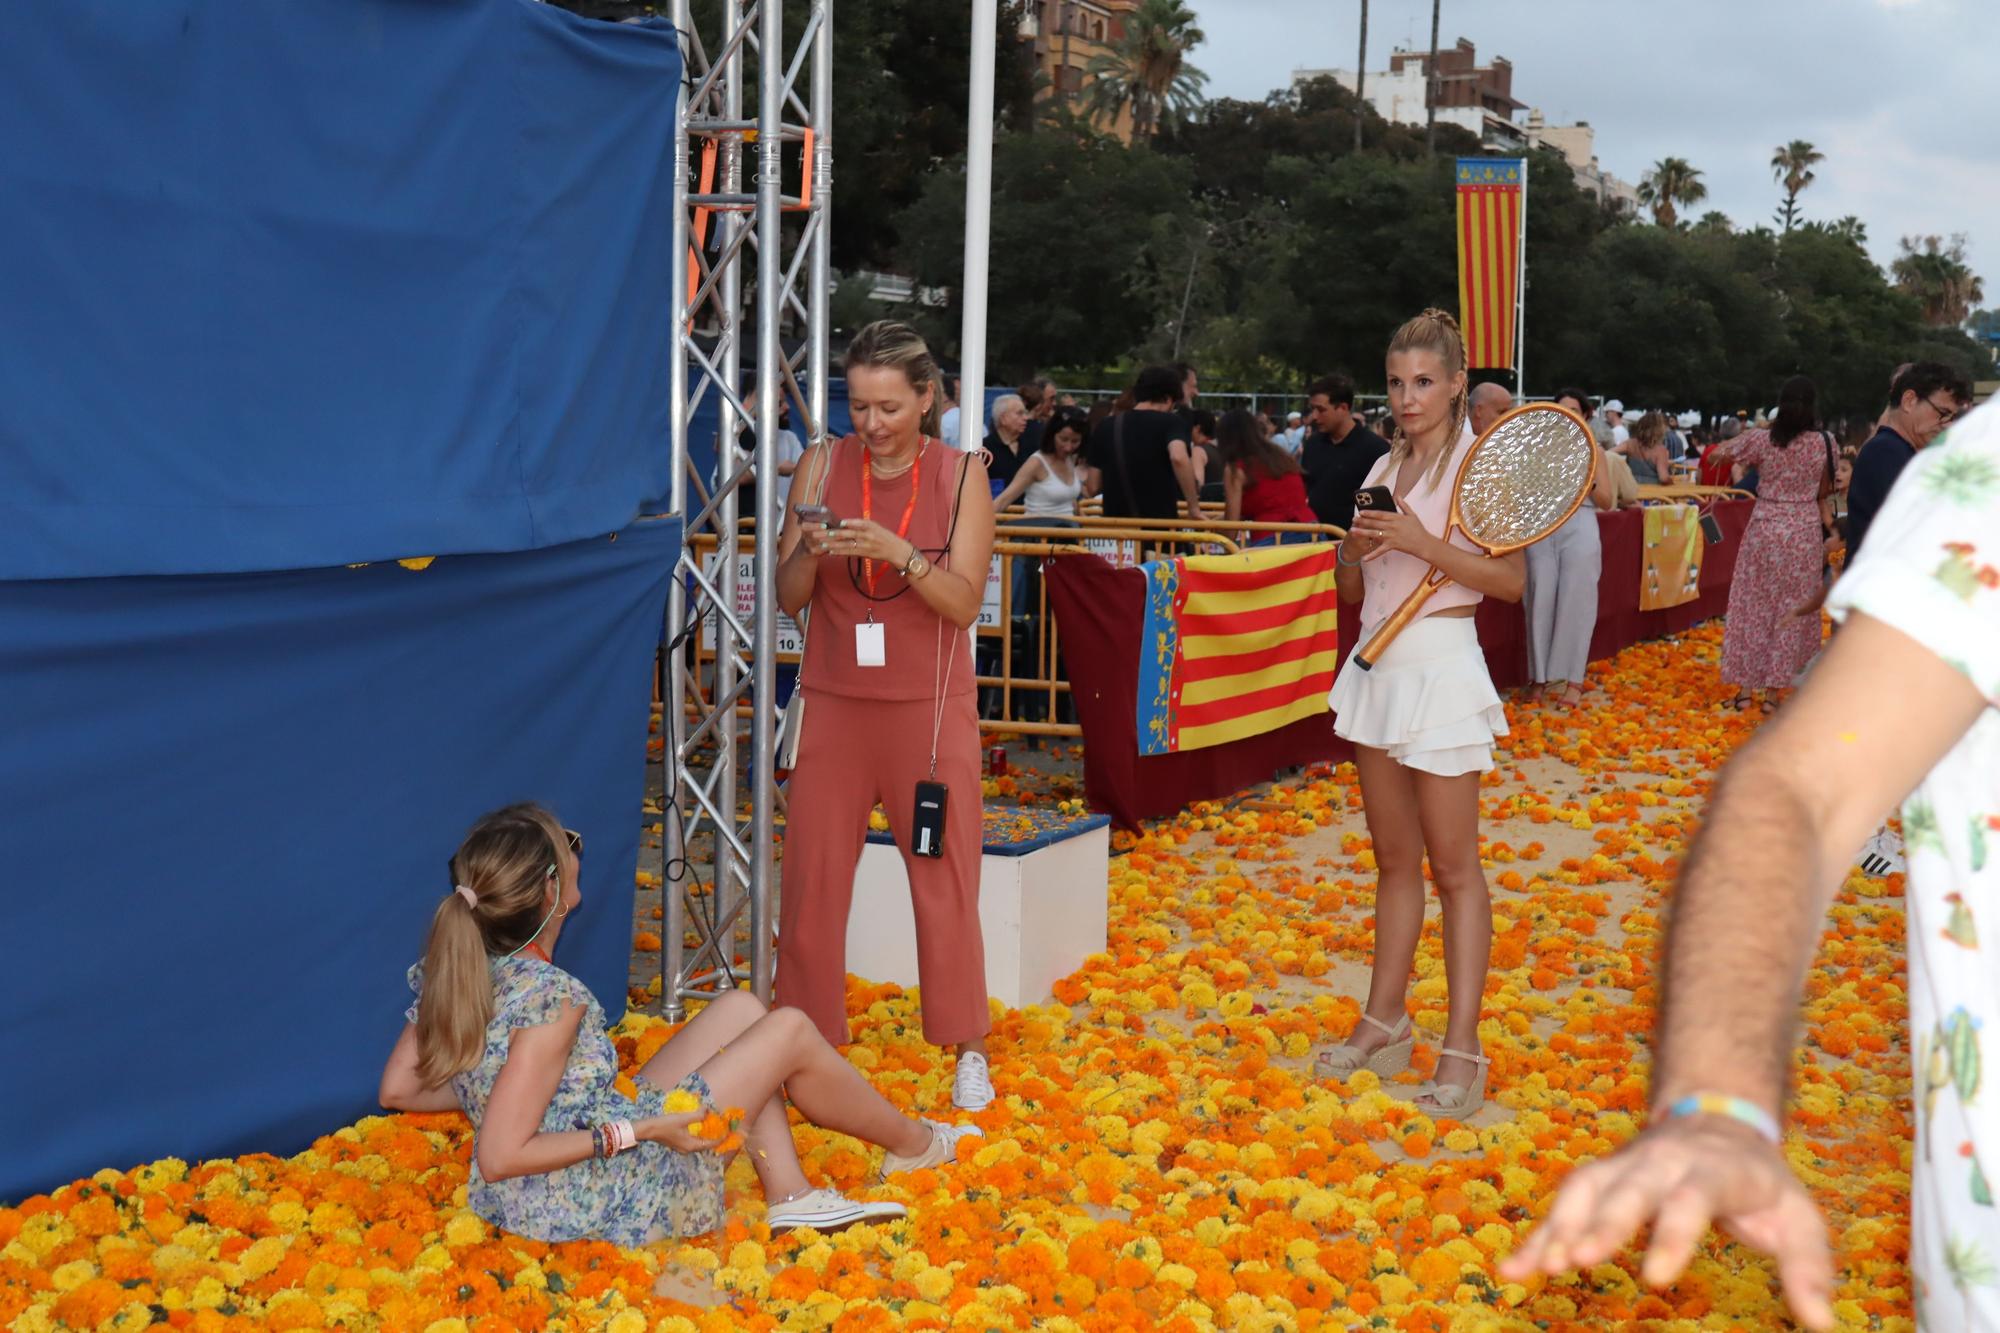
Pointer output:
x,y
1435,331
505,865
457,1002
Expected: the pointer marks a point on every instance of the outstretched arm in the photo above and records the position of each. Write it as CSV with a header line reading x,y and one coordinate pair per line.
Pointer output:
x,y
1784,823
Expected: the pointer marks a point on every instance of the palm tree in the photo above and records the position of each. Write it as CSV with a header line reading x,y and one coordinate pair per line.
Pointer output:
x,y
1935,272
1792,163
1672,183
1146,69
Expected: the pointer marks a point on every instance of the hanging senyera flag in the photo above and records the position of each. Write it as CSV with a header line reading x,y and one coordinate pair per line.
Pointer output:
x,y
1235,645
1489,257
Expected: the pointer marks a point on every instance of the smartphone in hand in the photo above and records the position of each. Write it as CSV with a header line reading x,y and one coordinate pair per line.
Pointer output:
x,y
819,514
1378,498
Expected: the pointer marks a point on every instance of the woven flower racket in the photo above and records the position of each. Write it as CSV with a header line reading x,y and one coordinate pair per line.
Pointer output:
x,y
1520,481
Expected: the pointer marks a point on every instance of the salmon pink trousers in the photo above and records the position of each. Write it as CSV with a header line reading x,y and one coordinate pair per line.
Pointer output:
x,y
853,754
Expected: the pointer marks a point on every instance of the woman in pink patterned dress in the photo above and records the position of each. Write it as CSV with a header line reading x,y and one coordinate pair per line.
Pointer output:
x,y
1766,642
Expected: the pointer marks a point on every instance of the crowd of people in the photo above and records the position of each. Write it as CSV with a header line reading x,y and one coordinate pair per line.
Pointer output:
x,y
887,537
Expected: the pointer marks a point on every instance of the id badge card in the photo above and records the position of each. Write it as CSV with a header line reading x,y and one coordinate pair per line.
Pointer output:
x,y
871,648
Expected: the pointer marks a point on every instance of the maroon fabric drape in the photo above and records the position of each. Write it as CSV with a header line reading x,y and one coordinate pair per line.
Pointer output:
x,y
1100,611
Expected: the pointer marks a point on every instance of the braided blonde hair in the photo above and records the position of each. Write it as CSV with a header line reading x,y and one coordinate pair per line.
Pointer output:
x,y
1436,331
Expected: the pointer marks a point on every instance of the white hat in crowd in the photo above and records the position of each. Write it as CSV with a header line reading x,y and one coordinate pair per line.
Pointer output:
x,y
1615,406
1294,416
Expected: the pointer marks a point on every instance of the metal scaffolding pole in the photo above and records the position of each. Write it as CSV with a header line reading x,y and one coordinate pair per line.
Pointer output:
x,y
720,930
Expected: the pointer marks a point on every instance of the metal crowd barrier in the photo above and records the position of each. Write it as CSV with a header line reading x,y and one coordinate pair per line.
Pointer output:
x,y
1018,656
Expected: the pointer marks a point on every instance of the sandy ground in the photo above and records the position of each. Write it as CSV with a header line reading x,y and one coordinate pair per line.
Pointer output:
x,y
1543,778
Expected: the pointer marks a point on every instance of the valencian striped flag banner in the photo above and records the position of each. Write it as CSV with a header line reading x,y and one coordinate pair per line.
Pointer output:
x,y
1490,199
1235,645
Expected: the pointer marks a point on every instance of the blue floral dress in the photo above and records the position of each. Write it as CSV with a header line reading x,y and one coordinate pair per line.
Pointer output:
x,y
644,1194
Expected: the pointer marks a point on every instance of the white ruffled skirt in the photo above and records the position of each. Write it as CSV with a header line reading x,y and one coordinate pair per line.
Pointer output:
x,y
1429,702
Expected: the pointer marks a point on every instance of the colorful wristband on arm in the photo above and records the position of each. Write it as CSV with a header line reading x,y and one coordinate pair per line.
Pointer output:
x,y
1736,1108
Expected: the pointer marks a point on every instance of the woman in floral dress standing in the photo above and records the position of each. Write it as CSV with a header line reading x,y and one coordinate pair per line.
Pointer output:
x,y
1766,642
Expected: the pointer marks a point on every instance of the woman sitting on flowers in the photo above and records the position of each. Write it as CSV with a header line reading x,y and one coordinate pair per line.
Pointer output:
x,y
502,1033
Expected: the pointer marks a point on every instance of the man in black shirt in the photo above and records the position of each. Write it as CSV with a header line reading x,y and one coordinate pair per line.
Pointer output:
x,y
1922,402
1339,452
1140,461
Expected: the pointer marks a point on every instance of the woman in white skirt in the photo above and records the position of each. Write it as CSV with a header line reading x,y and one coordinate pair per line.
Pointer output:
x,y
1423,721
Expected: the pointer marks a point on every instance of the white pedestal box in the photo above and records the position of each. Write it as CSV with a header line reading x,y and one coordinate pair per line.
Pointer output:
x,y
1044,906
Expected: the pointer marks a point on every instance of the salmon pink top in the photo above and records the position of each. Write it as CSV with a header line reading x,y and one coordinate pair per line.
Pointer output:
x,y
911,630
1388,579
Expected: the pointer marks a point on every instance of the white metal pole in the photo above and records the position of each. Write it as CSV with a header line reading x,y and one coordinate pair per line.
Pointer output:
x,y
1521,296
978,228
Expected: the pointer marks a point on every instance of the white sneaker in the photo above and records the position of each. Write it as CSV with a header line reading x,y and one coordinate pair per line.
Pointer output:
x,y
943,1148
828,1210
972,1085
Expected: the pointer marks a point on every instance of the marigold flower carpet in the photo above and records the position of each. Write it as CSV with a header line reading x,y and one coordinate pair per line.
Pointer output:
x,y
1160,1156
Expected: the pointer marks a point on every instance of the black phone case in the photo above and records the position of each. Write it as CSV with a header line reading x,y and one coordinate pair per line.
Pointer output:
x,y
1379,498
1711,529
927,823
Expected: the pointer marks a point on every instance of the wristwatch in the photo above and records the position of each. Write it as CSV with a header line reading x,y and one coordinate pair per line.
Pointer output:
x,y
916,566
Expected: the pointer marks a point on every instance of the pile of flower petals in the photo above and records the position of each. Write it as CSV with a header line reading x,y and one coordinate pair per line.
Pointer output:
x,y
1161,1156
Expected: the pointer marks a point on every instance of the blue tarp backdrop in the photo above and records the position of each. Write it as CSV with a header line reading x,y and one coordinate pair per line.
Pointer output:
x,y
290,285
231,800
283,288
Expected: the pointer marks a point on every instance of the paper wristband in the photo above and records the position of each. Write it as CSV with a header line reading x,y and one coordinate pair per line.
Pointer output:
x,y
1736,1108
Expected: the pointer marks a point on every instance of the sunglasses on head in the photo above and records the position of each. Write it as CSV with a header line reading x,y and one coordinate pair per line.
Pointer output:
x,y
575,845
574,839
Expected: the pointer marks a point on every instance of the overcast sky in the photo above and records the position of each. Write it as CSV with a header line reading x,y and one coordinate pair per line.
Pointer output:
x,y
1899,94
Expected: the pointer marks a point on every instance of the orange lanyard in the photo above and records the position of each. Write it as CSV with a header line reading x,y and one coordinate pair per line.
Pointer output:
x,y
868,506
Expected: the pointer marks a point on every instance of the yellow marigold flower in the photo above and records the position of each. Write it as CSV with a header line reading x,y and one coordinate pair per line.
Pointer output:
x,y
1461,1140
681,1102
73,1274
445,1326
626,1321
287,1214
1178,1275
464,1229
208,1294
434,1259
263,1255
933,1284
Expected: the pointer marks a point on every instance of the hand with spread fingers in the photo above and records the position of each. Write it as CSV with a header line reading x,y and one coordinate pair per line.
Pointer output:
x,y
1680,1176
1384,531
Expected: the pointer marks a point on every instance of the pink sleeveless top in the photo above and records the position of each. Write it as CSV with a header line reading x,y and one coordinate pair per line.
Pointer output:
x,y
1387,580
840,599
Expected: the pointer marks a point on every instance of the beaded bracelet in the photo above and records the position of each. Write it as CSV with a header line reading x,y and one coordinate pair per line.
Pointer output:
x,y
597,1141
1340,557
1736,1108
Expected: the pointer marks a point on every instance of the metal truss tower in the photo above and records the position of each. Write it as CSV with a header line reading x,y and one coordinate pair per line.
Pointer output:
x,y
749,259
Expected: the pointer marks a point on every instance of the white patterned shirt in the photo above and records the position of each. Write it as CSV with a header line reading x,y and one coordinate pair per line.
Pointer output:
x,y
1931,569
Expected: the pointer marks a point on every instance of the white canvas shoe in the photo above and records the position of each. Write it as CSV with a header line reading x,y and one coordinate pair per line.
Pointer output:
x,y
943,1148
972,1085
828,1210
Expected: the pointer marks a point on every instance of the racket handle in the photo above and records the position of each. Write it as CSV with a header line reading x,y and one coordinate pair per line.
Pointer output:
x,y
1378,643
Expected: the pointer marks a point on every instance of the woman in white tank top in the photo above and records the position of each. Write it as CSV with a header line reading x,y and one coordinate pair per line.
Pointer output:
x,y
1050,481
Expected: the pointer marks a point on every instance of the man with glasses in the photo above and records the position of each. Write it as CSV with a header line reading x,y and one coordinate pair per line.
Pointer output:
x,y
1923,399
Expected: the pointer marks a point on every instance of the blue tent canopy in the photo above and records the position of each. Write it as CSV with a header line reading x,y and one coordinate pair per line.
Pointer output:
x,y
288,288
